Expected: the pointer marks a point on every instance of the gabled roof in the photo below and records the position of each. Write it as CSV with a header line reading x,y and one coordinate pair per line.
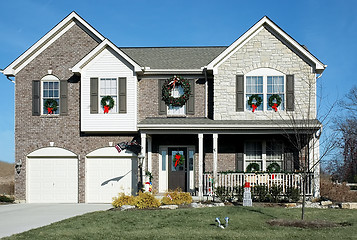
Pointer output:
x,y
97,50
170,58
265,21
72,19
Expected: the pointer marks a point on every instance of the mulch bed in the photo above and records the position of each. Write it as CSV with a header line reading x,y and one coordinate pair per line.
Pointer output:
x,y
306,224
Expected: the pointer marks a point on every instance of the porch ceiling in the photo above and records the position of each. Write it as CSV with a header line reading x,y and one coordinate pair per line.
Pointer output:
x,y
192,125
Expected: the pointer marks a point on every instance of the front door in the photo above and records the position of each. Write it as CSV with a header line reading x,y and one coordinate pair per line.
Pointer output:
x,y
177,168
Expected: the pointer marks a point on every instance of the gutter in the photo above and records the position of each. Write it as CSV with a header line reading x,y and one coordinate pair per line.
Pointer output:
x,y
8,77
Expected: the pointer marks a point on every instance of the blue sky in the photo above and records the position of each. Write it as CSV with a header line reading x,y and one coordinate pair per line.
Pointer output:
x,y
328,28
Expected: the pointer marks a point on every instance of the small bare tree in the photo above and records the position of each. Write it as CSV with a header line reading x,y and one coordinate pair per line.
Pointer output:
x,y
303,129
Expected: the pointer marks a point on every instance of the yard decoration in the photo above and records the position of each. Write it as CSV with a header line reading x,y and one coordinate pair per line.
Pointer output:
x,y
253,167
105,105
275,101
51,105
273,167
179,159
169,85
257,103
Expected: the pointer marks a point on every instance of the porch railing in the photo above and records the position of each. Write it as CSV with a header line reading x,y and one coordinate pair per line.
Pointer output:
x,y
232,180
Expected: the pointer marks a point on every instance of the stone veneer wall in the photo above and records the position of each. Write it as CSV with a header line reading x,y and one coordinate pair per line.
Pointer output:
x,y
34,132
262,51
148,92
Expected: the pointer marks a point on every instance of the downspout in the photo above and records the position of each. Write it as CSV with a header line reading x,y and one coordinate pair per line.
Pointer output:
x,y
206,91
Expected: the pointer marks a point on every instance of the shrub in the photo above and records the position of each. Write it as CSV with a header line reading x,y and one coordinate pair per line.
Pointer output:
x,y
275,192
4,198
224,193
146,200
122,199
260,193
238,193
338,192
178,197
292,194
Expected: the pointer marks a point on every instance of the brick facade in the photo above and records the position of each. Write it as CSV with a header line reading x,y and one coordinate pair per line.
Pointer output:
x,y
34,132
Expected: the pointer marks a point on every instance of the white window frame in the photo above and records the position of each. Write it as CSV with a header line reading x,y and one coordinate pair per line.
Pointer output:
x,y
50,78
265,73
263,160
116,103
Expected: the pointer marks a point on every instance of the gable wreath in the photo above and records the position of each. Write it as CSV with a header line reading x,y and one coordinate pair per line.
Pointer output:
x,y
107,103
51,105
257,103
169,85
275,101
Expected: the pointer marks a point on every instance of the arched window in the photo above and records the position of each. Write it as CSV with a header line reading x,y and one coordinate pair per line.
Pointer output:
x,y
265,82
50,86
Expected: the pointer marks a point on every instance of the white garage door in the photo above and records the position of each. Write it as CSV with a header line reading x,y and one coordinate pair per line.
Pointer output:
x,y
52,180
107,177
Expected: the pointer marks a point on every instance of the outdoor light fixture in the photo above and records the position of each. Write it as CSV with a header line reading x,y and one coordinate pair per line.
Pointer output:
x,y
18,166
141,159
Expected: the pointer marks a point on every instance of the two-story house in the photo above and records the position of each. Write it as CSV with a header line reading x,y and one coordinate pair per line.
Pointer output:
x,y
199,113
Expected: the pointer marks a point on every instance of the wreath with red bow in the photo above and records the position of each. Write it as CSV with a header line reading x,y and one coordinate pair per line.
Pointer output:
x,y
258,101
51,105
275,101
179,159
169,85
107,103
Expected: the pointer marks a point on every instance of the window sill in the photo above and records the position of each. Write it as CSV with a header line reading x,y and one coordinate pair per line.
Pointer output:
x,y
50,116
176,116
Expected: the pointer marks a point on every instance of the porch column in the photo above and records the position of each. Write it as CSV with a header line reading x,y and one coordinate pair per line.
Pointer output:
x,y
215,158
149,153
315,158
143,151
200,166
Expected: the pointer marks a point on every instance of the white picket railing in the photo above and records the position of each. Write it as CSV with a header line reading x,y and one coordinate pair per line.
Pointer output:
x,y
232,180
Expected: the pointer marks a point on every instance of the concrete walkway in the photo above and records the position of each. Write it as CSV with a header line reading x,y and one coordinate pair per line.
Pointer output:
x,y
17,218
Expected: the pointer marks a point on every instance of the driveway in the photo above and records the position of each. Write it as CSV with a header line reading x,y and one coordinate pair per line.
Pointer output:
x,y
17,218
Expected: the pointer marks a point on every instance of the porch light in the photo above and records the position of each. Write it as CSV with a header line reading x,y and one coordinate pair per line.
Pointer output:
x,y
18,166
141,159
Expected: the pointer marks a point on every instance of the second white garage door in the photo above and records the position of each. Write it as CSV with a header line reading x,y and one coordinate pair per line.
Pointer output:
x,y
107,177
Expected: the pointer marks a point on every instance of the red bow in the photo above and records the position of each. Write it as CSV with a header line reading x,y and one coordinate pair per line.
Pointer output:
x,y
173,82
106,109
254,107
177,160
49,110
275,107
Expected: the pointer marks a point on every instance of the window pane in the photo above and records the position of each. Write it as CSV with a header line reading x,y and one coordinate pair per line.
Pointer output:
x,y
55,93
191,157
163,156
56,85
45,85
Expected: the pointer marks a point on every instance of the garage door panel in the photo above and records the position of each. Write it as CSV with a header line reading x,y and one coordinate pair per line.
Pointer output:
x,y
52,180
107,177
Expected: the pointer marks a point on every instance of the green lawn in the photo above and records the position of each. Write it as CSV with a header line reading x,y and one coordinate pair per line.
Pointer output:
x,y
245,223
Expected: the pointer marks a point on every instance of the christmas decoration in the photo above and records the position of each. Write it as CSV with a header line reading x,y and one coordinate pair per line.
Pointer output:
x,y
275,101
169,85
253,167
51,105
105,105
179,159
273,167
258,101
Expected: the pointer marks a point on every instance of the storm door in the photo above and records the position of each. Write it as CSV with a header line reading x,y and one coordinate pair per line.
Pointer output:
x,y
177,168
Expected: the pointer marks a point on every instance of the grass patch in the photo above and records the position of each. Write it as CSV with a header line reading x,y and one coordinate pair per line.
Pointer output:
x,y
245,223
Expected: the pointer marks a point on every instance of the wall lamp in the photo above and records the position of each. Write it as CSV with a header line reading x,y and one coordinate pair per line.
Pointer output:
x,y
18,166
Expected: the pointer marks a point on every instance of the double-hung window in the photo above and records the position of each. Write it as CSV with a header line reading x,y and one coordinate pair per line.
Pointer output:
x,y
265,82
109,87
50,90
263,153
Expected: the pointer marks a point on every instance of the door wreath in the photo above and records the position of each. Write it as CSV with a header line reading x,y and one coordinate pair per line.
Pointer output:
x,y
179,159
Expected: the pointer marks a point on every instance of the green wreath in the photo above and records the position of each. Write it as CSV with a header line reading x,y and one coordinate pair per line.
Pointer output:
x,y
273,167
180,160
167,89
253,167
258,100
51,105
274,97
107,99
